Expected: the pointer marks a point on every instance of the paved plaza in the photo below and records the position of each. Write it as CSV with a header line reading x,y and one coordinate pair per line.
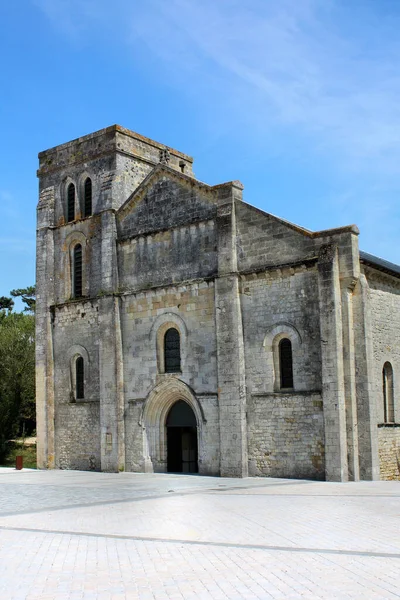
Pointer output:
x,y
71,535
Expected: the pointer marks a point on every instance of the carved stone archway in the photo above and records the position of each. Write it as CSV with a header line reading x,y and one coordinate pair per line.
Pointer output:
x,y
153,421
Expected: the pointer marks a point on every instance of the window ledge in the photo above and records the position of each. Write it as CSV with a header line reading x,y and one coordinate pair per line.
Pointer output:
x,y
170,374
388,424
82,401
288,392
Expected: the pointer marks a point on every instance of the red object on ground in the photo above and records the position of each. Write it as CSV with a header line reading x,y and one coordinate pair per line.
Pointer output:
x,y
19,462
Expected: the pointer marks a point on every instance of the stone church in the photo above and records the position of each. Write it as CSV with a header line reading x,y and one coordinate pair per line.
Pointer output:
x,y
180,329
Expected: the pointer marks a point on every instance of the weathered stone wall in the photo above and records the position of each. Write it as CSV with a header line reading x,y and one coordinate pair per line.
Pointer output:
x,y
191,308
179,254
115,158
285,430
384,302
77,425
166,202
144,315
87,233
286,435
101,170
265,240
389,451
281,298
78,436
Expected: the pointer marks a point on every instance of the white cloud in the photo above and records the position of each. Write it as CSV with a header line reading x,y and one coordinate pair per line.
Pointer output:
x,y
289,61
304,67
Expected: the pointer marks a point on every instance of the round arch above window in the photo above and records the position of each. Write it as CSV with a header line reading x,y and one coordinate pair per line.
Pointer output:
x,y
86,194
79,365
172,351
76,276
388,393
282,343
169,336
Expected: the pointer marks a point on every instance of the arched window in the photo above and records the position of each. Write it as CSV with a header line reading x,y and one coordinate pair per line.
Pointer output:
x,y
77,271
71,202
388,396
88,197
80,378
286,363
172,351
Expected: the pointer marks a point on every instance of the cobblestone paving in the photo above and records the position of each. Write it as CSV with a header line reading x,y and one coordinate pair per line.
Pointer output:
x,y
70,535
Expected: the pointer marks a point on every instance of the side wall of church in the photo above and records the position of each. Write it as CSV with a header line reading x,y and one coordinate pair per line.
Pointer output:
x,y
285,428
384,302
263,240
144,318
77,422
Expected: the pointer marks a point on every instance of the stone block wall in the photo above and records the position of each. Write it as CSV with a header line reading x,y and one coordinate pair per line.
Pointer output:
x,y
286,436
78,436
77,422
183,253
191,308
285,299
384,302
167,202
266,240
389,452
285,430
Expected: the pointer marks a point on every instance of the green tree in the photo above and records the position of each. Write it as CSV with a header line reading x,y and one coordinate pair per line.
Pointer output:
x,y
17,376
28,296
6,303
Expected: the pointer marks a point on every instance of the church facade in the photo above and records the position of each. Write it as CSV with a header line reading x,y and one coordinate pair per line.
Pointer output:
x,y
180,329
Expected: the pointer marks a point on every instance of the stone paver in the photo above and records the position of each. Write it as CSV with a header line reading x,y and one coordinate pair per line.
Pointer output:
x,y
70,535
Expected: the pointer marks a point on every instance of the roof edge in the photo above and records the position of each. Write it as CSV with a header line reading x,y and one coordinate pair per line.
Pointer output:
x,y
380,264
117,129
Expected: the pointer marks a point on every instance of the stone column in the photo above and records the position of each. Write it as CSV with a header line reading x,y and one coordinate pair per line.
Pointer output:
x,y
333,396
112,442
230,347
366,389
349,370
44,330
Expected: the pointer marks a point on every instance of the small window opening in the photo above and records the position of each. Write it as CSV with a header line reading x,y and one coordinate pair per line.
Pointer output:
x,y
388,396
88,197
77,287
172,351
286,363
71,202
80,378
182,166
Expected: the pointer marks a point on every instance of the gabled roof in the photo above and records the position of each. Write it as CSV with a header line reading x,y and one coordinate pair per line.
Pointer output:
x,y
154,176
379,263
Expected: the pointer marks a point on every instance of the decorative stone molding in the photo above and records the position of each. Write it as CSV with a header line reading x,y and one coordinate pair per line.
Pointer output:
x,y
153,420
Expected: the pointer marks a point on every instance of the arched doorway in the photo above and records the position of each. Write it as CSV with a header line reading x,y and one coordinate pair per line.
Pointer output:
x,y
181,439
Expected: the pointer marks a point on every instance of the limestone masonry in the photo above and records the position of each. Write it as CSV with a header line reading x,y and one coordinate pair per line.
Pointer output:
x,y
180,329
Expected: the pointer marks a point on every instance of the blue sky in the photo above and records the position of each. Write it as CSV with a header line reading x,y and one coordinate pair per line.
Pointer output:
x,y
299,99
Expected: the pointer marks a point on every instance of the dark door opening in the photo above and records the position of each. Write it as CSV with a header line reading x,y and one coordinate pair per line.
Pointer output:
x,y
181,439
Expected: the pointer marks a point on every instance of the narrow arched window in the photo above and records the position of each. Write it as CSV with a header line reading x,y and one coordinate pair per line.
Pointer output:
x,y
77,271
88,197
172,351
71,202
286,363
80,378
388,396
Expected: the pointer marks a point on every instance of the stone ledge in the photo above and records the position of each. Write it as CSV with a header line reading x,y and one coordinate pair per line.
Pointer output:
x,y
287,393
